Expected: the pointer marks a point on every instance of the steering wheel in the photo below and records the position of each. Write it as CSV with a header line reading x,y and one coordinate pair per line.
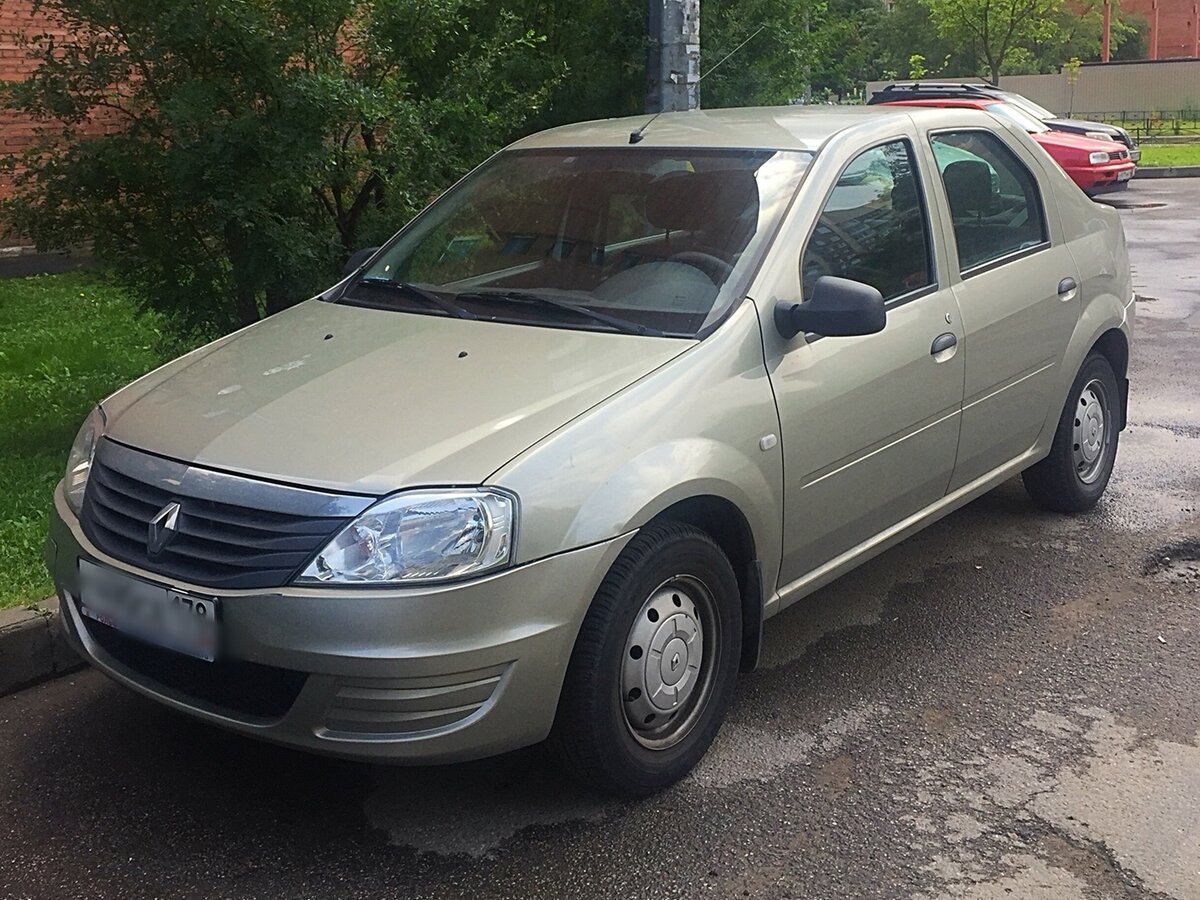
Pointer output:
x,y
712,266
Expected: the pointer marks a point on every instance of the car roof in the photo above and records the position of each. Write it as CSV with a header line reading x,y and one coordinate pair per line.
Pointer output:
x,y
776,128
947,102
934,88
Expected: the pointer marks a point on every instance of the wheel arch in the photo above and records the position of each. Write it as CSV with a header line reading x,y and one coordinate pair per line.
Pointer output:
x,y
722,520
1115,347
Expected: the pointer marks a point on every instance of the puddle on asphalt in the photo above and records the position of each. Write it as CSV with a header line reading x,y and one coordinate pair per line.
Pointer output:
x,y
477,808
474,808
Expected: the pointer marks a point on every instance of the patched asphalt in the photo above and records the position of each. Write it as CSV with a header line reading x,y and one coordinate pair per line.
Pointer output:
x,y
1006,705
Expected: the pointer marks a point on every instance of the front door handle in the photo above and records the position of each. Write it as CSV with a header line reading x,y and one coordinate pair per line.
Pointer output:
x,y
943,346
942,343
1066,288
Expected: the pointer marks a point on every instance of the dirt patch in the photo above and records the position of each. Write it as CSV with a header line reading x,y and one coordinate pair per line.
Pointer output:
x,y
1178,561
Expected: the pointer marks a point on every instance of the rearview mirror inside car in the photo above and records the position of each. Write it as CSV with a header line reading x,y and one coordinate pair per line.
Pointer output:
x,y
357,258
839,307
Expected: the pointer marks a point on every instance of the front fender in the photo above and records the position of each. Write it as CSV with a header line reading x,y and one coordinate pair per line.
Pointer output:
x,y
693,427
669,473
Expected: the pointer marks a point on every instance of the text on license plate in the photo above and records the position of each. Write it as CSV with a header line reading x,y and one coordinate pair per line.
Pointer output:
x,y
147,611
1124,176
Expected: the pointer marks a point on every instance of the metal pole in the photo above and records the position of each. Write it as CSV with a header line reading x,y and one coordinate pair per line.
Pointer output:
x,y
1154,29
1196,29
1106,41
673,58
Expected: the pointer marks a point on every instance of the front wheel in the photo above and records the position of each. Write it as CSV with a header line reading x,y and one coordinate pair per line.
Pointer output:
x,y
654,665
1075,474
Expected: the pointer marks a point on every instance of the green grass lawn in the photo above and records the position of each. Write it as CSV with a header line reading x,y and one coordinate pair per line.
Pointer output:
x,y
1170,155
66,341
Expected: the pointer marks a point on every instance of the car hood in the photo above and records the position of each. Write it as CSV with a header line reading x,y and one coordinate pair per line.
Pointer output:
x,y
1069,141
1082,125
370,401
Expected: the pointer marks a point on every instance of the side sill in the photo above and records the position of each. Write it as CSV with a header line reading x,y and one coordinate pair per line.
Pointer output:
x,y
855,556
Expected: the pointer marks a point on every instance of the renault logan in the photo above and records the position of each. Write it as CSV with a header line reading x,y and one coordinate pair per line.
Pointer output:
x,y
544,464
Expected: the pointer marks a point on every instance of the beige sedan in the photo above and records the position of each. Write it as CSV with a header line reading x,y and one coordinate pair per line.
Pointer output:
x,y
545,464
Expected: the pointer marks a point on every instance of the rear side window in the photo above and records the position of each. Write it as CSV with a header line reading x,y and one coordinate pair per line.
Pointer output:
x,y
994,199
873,227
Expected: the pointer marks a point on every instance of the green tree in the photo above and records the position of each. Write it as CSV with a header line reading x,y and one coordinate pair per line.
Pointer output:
x,y
1135,35
776,65
996,28
256,142
906,29
846,46
599,46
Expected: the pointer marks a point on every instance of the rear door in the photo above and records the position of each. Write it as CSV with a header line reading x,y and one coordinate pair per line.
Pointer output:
x,y
1017,289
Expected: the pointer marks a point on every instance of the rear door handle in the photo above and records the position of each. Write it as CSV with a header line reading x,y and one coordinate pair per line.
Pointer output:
x,y
943,347
1066,288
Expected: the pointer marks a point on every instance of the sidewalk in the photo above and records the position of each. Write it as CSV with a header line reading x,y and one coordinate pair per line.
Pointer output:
x,y
32,648
20,262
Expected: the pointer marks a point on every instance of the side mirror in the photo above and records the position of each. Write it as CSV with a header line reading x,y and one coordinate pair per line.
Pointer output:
x,y
357,258
838,307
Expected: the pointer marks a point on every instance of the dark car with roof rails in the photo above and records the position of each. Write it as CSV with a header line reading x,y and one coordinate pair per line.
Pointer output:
x,y
936,90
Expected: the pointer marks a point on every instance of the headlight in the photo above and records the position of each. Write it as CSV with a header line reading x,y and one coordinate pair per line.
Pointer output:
x,y
79,462
1099,135
419,536
1098,158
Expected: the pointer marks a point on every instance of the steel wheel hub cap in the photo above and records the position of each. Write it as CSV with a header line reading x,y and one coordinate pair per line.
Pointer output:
x,y
1088,435
664,664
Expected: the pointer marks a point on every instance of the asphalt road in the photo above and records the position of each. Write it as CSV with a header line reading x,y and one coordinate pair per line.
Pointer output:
x,y
1007,705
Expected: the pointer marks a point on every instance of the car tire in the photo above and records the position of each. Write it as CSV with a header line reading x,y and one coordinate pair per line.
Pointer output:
x,y
1073,477
654,665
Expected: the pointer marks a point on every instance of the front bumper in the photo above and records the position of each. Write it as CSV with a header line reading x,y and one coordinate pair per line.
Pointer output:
x,y
420,675
1103,179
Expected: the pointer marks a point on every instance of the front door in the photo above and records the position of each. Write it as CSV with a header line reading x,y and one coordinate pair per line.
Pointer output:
x,y
869,424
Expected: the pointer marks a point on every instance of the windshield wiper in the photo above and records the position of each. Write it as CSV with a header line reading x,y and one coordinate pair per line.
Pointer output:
x,y
421,293
623,325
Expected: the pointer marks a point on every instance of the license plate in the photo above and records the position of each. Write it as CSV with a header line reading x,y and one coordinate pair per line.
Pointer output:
x,y
1124,176
154,614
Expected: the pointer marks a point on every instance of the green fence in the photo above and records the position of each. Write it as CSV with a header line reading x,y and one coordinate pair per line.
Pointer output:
x,y
1151,125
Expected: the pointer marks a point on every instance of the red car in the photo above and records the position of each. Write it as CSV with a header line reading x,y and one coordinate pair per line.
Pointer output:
x,y
1096,166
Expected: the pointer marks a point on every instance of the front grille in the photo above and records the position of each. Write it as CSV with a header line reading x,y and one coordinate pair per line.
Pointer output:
x,y
1118,154
237,686
260,541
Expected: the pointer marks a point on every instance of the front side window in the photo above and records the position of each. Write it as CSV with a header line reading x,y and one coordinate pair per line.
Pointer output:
x,y
652,240
994,199
873,227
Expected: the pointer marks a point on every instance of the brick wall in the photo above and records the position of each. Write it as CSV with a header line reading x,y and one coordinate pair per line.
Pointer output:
x,y
16,18
17,132
1176,25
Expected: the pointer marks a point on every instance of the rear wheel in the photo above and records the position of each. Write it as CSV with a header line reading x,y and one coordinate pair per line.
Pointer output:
x,y
1073,477
655,663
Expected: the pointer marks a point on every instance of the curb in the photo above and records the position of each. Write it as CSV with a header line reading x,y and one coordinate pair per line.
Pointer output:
x,y
32,647
1168,172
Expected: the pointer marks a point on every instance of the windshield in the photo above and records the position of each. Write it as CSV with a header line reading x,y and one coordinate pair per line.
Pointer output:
x,y
1018,117
652,240
1024,103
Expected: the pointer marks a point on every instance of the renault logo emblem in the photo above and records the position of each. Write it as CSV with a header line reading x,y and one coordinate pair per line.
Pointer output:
x,y
162,529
